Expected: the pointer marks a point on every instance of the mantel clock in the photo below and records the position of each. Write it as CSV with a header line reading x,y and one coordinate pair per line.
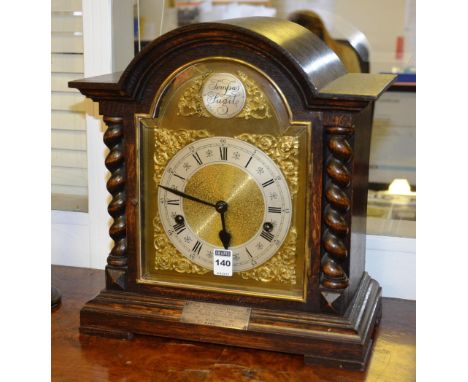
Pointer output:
x,y
239,162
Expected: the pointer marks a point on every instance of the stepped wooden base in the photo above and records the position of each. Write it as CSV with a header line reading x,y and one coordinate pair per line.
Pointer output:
x,y
337,341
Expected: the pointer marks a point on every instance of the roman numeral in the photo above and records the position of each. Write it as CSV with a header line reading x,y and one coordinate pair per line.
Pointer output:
x,y
179,227
248,162
197,158
274,210
180,177
174,202
267,183
223,153
267,235
251,257
197,247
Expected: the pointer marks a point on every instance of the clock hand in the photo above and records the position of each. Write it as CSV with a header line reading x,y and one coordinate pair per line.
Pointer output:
x,y
186,196
224,235
220,207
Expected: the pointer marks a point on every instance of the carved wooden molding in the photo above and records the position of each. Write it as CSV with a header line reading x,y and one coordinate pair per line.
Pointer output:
x,y
337,204
115,163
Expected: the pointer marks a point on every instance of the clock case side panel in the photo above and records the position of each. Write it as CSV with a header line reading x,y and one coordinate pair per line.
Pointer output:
x,y
347,105
346,171
363,129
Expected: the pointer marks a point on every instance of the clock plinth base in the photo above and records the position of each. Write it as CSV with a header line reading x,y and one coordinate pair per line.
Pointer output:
x,y
342,363
106,332
331,340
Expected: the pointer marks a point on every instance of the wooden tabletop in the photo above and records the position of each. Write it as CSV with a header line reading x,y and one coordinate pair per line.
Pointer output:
x,y
81,358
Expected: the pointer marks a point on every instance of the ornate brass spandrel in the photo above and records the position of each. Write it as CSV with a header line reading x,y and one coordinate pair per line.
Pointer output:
x,y
256,105
167,257
191,102
284,150
281,268
168,143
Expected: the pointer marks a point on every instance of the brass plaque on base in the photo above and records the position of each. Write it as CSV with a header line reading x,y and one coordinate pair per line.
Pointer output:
x,y
225,316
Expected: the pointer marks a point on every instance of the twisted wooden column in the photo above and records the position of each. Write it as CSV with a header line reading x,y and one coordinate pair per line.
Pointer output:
x,y
337,204
115,163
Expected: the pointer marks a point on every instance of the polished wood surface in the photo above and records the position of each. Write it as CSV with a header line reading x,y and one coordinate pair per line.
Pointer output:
x,y
348,55
78,357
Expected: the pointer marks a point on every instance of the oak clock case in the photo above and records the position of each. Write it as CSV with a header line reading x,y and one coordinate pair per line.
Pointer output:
x,y
202,150
247,136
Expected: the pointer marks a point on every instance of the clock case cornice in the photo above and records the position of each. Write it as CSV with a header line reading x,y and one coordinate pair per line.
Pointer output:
x,y
315,71
318,89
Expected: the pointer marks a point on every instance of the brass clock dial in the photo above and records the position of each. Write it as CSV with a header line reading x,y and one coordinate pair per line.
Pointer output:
x,y
224,166
221,192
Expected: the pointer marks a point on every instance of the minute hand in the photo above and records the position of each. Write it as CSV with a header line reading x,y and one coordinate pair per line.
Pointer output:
x,y
190,197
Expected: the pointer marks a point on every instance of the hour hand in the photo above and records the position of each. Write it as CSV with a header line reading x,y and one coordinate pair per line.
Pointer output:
x,y
186,196
224,235
225,238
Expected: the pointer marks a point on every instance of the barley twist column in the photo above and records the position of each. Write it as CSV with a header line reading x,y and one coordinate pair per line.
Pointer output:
x,y
115,163
337,204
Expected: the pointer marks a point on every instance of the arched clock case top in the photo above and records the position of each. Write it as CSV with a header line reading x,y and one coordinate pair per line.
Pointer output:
x,y
331,317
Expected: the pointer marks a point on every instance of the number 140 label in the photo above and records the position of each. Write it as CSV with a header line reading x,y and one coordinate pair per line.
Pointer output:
x,y
222,262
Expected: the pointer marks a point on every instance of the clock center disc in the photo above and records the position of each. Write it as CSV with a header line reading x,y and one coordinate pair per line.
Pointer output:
x,y
224,182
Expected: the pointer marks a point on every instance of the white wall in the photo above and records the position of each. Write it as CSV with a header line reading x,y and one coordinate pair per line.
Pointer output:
x,y
70,239
108,47
392,262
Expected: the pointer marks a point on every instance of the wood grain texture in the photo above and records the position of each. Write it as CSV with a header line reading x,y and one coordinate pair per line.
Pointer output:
x,y
360,170
78,357
340,341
